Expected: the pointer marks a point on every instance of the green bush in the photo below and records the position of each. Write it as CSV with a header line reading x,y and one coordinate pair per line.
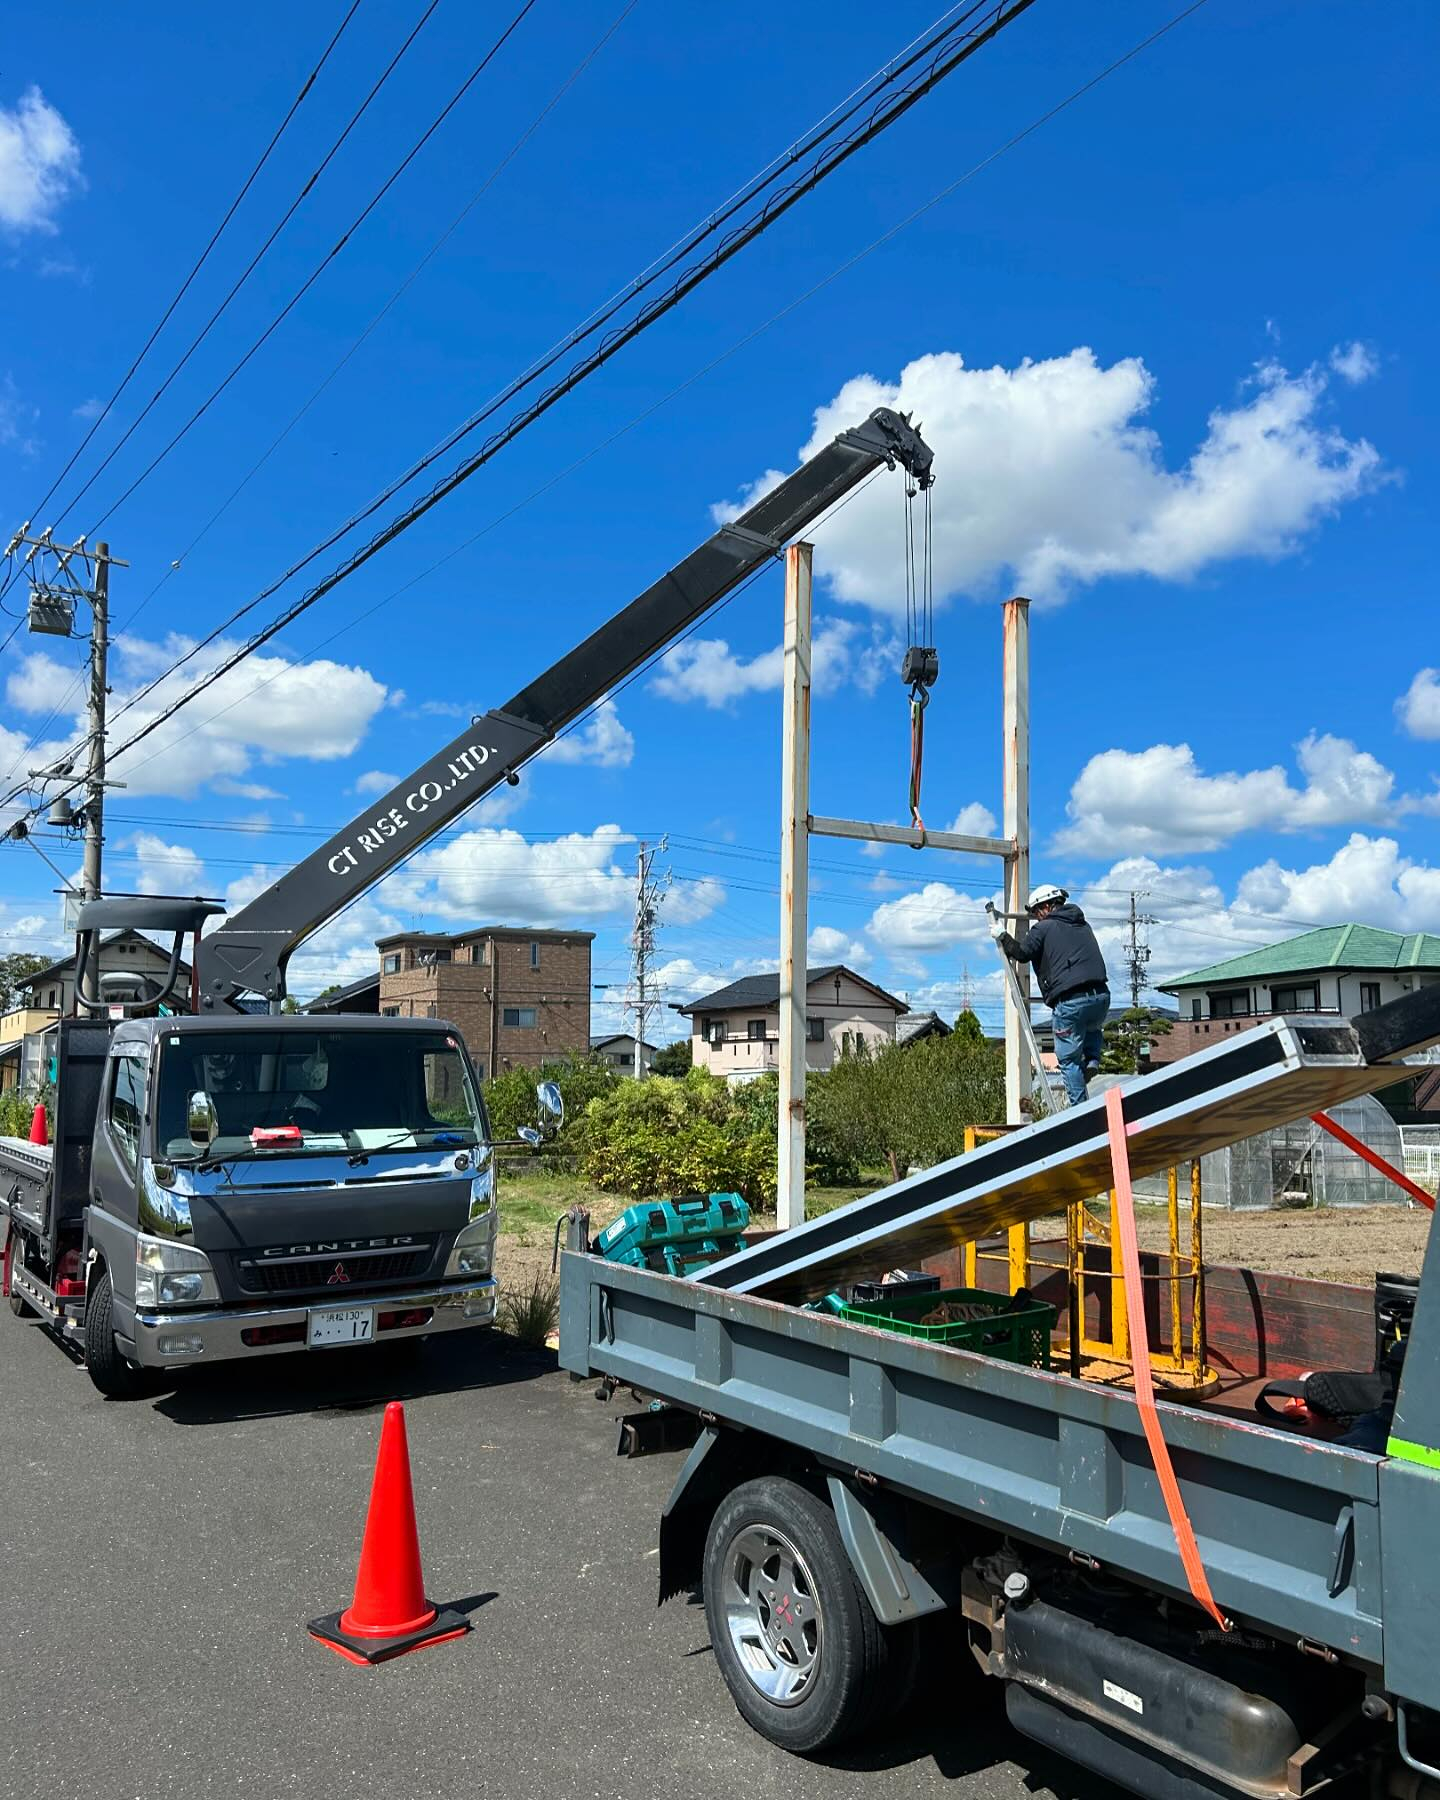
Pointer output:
x,y
681,1136
510,1098
906,1104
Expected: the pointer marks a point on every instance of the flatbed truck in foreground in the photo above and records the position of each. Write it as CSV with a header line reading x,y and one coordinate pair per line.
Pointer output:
x,y
846,1484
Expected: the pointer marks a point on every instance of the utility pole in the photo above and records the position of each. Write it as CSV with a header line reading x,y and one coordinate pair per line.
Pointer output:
x,y
59,575
794,885
1015,766
647,908
95,777
1138,954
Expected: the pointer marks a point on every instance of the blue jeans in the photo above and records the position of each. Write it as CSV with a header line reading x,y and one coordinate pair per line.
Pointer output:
x,y
1079,1038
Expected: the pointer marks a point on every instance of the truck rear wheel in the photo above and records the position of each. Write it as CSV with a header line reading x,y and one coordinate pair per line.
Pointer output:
x,y
15,1259
805,1659
116,1378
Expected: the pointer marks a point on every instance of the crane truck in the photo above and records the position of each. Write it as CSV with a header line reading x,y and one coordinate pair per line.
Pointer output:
x,y
224,1184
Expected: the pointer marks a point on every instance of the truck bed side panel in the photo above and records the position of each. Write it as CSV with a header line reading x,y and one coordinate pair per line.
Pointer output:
x,y
1281,1521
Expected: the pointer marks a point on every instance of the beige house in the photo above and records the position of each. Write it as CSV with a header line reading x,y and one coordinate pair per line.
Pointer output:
x,y
735,1032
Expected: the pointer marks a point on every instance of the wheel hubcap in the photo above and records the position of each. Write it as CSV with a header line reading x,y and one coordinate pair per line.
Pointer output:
x,y
772,1614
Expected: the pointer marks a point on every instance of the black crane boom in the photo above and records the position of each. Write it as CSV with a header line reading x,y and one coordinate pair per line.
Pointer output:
x,y
250,951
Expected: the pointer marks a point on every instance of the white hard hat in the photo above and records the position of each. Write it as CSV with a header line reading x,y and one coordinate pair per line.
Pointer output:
x,y
1044,895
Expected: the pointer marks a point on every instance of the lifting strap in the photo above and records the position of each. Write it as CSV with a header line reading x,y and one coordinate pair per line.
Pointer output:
x,y
1140,1358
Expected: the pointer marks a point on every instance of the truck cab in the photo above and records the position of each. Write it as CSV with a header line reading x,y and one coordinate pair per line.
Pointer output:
x,y
272,1184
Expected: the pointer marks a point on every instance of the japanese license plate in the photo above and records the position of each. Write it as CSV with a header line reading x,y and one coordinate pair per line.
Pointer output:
x,y
333,1325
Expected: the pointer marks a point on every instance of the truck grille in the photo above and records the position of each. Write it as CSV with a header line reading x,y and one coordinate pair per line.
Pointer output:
x,y
334,1274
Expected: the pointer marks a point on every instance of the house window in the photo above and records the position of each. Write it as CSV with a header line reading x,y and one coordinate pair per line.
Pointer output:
x,y
390,1012
815,1030
477,952
391,964
534,956
847,1043
479,1067
1302,998
1233,1005
520,1018
1369,995
428,958
431,1011
755,1030
53,1000
717,1034
1195,1009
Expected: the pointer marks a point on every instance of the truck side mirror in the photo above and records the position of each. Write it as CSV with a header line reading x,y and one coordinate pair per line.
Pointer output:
x,y
552,1101
527,1134
201,1120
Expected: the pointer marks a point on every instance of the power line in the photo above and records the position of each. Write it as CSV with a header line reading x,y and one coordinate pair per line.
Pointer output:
x,y
439,243
324,262
254,262
849,263
200,261
1003,13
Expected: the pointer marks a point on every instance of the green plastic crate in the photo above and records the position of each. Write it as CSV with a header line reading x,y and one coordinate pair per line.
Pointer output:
x,y
999,1327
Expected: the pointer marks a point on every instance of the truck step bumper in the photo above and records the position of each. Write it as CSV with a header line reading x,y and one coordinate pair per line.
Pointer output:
x,y
219,1336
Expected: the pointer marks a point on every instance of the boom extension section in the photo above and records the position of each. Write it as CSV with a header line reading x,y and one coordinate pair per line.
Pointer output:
x,y
249,952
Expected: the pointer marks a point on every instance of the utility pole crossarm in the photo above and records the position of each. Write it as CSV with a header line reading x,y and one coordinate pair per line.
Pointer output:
x,y
249,952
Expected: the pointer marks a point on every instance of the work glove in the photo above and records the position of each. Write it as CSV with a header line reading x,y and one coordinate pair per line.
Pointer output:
x,y
997,925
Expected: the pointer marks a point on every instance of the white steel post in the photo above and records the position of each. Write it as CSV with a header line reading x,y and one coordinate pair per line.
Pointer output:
x,y
794,886
1016,827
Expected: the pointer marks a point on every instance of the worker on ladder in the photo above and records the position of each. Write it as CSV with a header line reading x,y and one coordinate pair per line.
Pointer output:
x,y
1071,971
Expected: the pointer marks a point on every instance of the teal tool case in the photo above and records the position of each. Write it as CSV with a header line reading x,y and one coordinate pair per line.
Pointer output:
x,y
675,1237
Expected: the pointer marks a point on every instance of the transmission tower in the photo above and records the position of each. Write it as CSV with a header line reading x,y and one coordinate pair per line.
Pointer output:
x,y
1138,953
642,944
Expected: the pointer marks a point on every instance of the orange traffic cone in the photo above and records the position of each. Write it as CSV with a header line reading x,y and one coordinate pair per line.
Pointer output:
x,y
39,1126
389,1614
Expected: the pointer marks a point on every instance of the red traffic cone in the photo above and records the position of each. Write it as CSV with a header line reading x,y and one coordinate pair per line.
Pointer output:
x,y
389,1614
39,1126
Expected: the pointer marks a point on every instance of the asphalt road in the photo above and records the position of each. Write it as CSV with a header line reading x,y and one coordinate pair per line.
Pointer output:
x,y
161,1558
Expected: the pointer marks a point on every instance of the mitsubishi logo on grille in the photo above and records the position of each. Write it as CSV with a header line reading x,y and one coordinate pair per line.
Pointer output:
x,y
338,1276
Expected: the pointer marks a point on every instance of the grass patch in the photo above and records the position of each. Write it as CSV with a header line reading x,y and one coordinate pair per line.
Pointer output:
x,y
531,1311
533,1202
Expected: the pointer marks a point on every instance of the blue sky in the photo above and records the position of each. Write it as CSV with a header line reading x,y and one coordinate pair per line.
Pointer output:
x,y
1172,350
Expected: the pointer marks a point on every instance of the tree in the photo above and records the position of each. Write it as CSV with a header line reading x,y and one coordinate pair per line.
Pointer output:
x,y
674,1059
969,1029
15,973
289,1004
1128,1038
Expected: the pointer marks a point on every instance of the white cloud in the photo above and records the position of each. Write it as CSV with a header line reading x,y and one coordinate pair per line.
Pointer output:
x,y
937,917
444,709
245,790
974,820
165,868
17,416
602,740
1159,800
1355,362
844,653
829,945
88,409
39,163
268,709
723,511
374,781
1418,708
1048,478
497,876
1367,880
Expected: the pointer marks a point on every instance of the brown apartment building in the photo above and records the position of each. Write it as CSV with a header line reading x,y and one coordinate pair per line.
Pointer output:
x,y
520,996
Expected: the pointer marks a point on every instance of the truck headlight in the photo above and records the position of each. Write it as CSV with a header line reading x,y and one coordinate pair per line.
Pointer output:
x,y
171,1274
474,1248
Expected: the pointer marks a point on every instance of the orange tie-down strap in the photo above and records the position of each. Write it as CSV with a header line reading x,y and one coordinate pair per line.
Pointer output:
x,y
1140,1358
1375,1160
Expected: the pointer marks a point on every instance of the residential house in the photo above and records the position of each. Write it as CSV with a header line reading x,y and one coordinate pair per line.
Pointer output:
x,y
362,996
22,1033
1339,969
619,1052
916,1027
520,995
735,1032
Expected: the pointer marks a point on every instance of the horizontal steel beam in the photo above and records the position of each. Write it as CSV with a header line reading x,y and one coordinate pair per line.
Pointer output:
x,y
867,831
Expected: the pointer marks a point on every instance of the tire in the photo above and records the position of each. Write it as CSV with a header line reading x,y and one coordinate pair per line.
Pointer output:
x,y
15,1251
805,1659
116,1378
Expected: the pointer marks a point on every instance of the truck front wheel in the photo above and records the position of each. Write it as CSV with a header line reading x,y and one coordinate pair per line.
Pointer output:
x,y
805,1659
108,1369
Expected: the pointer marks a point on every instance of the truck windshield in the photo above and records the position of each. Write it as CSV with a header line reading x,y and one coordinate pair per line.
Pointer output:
x,y
344,1091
